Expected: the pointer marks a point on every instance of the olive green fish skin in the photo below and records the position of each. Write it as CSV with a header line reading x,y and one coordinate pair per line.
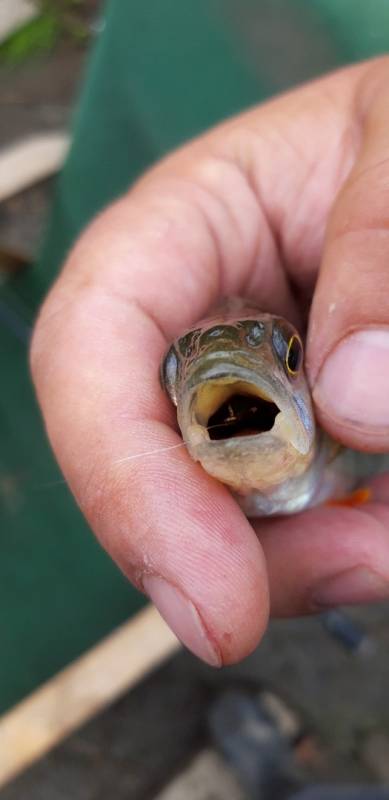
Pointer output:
x,y
244,369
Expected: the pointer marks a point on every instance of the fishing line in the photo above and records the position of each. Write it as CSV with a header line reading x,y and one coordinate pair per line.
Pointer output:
x,y
164,449
150,453
134,457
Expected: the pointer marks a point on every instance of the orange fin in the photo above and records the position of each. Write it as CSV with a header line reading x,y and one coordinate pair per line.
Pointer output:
x,y
357,498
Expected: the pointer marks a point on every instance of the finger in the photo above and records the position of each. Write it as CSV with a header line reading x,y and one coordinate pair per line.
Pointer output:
x,y
328,557
348,352
175,532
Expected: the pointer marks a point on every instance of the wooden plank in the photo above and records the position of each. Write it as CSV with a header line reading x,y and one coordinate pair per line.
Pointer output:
x,y
82,690
14,14
31,160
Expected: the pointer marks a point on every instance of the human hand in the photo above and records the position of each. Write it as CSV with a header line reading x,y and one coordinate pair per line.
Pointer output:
x,y
287,205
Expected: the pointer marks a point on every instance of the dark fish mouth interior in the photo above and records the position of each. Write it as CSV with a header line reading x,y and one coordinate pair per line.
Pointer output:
x,y
242,415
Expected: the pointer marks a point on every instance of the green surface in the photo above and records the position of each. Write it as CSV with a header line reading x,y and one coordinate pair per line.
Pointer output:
x,y
155,79
59,591
160,73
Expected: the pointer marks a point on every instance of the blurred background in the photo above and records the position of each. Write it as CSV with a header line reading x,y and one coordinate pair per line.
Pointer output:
x,y
105,90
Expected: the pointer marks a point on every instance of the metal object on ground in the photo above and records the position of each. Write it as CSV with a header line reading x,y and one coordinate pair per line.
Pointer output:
x,y
253,745
348,632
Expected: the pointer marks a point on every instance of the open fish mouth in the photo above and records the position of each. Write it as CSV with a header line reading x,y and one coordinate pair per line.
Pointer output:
x,y
229,409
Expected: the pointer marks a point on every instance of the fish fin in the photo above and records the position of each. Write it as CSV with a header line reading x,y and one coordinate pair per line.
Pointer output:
x,y
354,499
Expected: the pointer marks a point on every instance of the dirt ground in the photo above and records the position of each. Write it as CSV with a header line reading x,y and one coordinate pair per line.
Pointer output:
x,y
149,739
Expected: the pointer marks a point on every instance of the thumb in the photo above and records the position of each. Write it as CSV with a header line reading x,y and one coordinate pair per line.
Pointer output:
x,y
348,343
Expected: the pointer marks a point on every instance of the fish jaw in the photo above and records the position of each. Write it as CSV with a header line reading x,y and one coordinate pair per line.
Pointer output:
x,y
254,461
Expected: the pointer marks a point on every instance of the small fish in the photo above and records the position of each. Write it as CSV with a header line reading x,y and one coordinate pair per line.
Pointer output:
x,y
245,413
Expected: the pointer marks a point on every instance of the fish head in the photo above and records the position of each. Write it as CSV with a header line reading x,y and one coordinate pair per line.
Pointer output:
x,y
243,404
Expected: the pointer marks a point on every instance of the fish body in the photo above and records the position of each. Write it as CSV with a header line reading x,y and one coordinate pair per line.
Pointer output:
x,y
245,412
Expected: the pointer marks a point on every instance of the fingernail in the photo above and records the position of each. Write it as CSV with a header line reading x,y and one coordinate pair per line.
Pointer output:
x,y
357,585
354,382
182,617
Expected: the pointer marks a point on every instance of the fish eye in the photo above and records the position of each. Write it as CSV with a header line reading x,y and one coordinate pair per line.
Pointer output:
x,y
294,355
169,373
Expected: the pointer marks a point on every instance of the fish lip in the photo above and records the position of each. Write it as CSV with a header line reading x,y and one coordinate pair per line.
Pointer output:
x,y
221,369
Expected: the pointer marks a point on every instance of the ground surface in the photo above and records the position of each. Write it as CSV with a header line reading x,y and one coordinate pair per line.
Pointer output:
x,y
154,738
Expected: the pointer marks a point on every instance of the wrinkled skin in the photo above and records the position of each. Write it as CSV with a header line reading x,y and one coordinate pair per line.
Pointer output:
x,y
286,204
